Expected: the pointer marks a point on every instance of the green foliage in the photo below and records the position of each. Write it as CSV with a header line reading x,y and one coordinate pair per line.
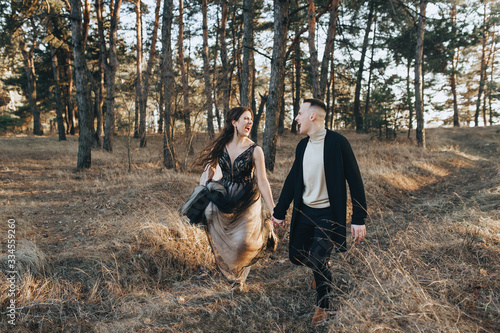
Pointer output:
x,y
8,123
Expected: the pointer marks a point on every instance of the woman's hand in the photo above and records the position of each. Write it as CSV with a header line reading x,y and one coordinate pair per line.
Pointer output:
x,y
278,223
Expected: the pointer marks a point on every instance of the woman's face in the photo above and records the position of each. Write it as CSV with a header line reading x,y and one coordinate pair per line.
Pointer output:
x,y
244,123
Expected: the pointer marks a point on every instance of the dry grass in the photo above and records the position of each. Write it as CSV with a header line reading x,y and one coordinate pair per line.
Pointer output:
x,y
105,250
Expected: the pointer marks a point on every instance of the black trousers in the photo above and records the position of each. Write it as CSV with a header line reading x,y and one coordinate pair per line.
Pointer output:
x,y
312,246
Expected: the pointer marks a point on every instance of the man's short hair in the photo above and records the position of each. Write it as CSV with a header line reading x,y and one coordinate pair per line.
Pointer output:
x,y
316,102
319,105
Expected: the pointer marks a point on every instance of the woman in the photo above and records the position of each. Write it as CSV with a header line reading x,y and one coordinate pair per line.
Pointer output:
x,y
237,233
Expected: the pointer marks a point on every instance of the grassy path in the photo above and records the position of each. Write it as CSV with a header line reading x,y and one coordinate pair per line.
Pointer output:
x,y
105,250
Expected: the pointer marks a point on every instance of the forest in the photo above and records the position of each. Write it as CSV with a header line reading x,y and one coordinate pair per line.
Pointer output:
x,y
105,105
136,68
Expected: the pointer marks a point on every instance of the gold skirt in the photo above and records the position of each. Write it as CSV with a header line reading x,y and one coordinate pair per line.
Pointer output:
x,y
238,239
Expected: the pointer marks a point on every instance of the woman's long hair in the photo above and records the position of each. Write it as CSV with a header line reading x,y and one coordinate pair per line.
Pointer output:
x,y
210,154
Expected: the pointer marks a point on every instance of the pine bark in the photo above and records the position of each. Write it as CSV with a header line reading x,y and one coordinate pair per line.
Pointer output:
x,y
297,62
140,79
248,59
184,76
419,107
29,65
358,117
70,110
206,73
169,88
151,60
84,114
215,77
257,117
313,52
454,65
57,91
99,91
275,99
161,107
494,50
408,97
111,67
225,81
327,54
370,71
482,70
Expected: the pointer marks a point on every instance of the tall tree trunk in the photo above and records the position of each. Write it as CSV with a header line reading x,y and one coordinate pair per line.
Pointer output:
x,y
468,103
98,103
225,82
311,14
215,77
206,73
330,40
57,91
64,90
296,39
358,117
258,116
169,89
492,75
281,118
408,97
84,114
252,90
482,70
236,56
149,66
99,91
69,95
136,115
370,72
184,76
281,19
88,76
111,68
297,62
484,105
332,88
139,83
454,65
137,104
161,107
86,23
248,59
419,107
29,64
489,64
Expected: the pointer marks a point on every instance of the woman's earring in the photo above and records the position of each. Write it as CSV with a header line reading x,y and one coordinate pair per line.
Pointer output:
x,y
237,133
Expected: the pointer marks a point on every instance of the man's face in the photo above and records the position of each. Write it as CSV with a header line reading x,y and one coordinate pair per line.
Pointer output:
x,y
303,118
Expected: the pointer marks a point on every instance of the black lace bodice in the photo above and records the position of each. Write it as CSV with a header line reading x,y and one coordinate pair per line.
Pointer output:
x,y
242,169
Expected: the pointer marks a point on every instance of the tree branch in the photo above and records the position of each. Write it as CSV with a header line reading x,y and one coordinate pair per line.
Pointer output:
x,y
255,50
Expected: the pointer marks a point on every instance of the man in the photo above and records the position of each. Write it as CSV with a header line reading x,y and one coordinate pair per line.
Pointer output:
x,y
324,161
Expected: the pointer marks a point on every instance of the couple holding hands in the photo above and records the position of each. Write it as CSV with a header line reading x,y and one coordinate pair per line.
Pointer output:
x,y
317,184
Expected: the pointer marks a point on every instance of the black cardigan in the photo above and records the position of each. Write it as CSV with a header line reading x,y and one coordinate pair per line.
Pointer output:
x,y
340,166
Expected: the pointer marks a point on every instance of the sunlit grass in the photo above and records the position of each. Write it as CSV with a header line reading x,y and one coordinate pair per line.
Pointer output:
x,y
106,250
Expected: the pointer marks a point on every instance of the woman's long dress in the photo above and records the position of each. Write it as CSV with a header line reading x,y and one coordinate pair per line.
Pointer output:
x,y
237,233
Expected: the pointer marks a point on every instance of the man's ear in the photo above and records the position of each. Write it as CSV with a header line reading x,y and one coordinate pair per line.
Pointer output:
x,y
313,116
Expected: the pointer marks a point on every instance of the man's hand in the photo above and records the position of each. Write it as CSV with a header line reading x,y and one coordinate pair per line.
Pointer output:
x,y
277,223
358,232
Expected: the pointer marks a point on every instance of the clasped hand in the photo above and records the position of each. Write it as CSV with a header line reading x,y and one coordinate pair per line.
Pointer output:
x,y
278,223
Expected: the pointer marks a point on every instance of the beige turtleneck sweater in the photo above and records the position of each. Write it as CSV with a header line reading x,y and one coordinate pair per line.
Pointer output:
x,y
315,192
